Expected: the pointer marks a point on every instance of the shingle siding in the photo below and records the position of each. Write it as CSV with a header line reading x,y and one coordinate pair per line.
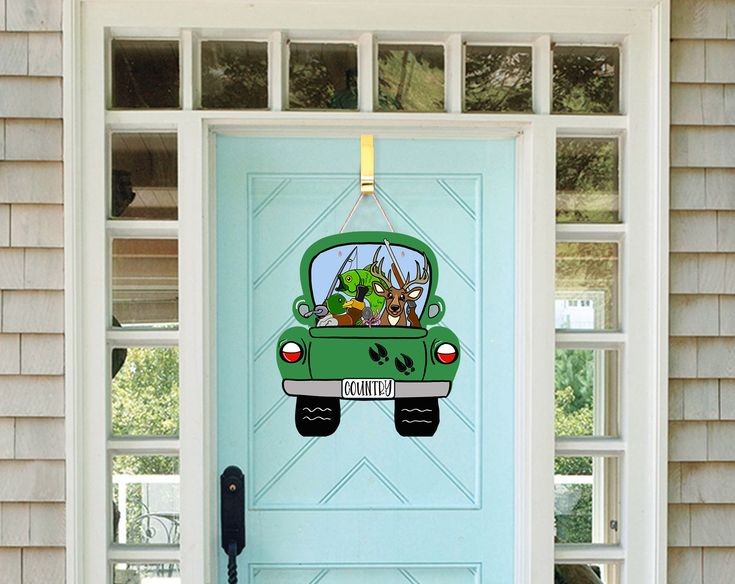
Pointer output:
x,y
702,286
31,294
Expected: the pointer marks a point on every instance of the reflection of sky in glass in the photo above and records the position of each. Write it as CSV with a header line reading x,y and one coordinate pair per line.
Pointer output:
x,y
325,266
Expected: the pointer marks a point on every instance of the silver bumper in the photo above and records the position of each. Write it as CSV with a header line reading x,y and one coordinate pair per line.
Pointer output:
x,y
333,388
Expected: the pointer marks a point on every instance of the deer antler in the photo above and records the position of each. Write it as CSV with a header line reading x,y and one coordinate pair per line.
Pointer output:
x,y
376,269
422,277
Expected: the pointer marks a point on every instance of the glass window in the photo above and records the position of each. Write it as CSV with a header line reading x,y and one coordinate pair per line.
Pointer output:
x,y
138,573
145,505
411,78
145,391
586,272
586,499
586,80
586,392
498,79
145,282
144,177
322,76
587,180
145,74
234,75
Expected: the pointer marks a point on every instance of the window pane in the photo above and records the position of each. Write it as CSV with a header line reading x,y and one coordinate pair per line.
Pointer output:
x,y
145,499
411,78
586,80
586,392
586,499
145,74
322,76
145,282
498,79
234,75
145,391
586,286
587,573
145,573
587,180
144,176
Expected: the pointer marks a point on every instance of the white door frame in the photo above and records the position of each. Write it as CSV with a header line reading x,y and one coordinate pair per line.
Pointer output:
x,y
87,26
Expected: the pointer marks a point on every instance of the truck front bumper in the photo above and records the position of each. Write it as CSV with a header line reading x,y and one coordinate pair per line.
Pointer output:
x,y
333,388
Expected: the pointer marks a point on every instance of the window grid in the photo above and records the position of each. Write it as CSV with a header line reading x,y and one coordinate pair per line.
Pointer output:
x,y
278,83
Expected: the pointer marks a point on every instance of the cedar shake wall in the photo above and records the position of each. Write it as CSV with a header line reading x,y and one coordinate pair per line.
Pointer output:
x,y
31,294
702,314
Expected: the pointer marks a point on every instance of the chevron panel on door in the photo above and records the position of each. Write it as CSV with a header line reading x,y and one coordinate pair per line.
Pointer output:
x,y
363,465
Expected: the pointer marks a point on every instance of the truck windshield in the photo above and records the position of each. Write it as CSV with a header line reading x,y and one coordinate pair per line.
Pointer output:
x,y
343,269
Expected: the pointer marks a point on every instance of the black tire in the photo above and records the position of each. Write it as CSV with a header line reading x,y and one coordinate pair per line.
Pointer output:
x,y
317,416
417,416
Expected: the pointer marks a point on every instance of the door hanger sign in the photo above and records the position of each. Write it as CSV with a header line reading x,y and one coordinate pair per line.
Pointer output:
x,y
368,300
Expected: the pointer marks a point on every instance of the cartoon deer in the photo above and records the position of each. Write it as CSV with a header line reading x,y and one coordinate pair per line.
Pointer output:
x,y
396,299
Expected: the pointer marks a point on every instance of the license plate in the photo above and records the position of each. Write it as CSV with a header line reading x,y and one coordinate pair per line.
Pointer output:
x,y
368,389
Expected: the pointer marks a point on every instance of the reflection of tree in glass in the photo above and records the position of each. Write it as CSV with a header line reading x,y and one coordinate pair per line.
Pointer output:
x,y
498,79
322,76
573,397
234,75
586,79
411,78
575,525
145,393
587,180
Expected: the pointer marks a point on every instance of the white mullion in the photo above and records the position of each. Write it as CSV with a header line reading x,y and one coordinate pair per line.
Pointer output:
x,y
366,72
602,232
589,446
568,553
130,229
590,340
145,553
541,75
123,337
187,45
454,74
197,464
592,126
277,71
143,445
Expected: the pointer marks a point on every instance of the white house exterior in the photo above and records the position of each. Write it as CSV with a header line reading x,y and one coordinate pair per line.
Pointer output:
x,y
677,236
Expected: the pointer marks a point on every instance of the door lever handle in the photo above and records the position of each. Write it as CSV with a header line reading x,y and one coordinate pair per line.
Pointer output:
x,y
232,517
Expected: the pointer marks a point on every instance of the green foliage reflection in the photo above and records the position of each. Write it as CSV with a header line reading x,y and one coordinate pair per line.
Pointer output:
x,y
411,78
498,79
586,79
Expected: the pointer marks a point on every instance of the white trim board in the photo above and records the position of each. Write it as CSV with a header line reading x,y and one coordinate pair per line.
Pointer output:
x,y
640,26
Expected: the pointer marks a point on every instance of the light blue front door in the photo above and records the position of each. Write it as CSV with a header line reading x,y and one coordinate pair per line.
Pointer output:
x,y
365,504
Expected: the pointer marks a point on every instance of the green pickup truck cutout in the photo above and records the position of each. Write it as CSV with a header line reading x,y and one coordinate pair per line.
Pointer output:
x,y
367,300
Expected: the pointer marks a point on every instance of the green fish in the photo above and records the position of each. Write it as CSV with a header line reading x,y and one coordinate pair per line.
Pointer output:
x,y
349,281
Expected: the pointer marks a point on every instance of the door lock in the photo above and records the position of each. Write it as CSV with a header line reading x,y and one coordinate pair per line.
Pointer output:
x,y
232,517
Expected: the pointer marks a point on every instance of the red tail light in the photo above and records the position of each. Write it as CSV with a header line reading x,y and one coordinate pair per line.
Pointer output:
x,y
291,352
446,353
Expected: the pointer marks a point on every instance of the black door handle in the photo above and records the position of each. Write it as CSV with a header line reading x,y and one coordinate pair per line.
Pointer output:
x,y
232,517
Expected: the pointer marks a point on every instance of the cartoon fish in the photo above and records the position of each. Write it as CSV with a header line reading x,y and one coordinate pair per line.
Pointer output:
x,y
349,281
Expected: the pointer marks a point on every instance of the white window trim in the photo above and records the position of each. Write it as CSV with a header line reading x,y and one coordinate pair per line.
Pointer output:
x,y
645,22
